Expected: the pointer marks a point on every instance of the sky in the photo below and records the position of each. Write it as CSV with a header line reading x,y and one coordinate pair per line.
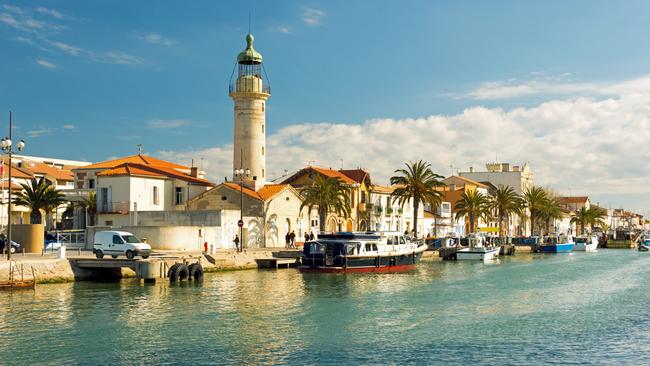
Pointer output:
x,y
561,85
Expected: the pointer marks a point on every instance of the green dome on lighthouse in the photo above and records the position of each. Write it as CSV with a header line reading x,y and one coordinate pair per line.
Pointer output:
x,y
249,56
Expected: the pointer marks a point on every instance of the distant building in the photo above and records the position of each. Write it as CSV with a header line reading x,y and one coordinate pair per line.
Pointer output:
x,y
25,168
520,178
358,184
574,203
135,183
388,215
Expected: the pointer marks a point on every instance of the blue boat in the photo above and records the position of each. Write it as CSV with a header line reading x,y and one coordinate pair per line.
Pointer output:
x,y
557,244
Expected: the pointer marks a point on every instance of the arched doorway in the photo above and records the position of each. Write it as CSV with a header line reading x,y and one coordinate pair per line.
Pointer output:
x,y
362,225
331,224
349,225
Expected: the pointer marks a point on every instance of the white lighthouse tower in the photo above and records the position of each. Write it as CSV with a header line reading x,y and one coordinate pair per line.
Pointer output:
x,y
249,91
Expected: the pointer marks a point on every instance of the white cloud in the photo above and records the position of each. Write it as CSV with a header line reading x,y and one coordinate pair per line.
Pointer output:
x,y
39,132
589,145
122,58
51,12
68,127
46,64
71,50
156,38
282,29
312,17
169,123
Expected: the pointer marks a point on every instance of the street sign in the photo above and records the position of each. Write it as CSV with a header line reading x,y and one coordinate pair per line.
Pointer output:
x,y
240,223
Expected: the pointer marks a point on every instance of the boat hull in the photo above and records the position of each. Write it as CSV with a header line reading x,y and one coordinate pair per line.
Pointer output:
x,y
645,247
478,255
556,248
582,247
382,263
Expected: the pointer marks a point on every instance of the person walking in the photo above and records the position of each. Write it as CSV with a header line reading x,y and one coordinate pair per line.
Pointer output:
x,y
292,237
236,241
311,235
287,240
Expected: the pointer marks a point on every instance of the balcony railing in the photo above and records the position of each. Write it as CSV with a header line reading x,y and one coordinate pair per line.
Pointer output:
x,y
113,207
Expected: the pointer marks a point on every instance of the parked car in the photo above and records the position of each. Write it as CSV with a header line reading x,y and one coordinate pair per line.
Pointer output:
x,y
15,247
116,243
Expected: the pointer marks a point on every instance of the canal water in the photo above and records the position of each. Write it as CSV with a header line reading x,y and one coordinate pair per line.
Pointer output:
x,y
579,308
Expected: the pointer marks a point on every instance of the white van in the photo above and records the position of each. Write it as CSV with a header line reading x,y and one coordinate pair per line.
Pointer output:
x,y
115,243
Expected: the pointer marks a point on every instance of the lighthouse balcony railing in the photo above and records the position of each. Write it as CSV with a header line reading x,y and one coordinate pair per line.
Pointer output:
x,y
248,87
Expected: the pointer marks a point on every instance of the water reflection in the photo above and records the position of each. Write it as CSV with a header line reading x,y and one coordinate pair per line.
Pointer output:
x,y
543,307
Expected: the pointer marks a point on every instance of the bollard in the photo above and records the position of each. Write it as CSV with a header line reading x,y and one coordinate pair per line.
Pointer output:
x,y
23,252
62,252
79,251
42,252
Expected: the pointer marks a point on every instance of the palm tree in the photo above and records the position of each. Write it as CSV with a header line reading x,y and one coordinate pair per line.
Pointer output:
x,y
505,202
418,184
587,216
535,198
550,210
89,203
329,195
38,195
474,205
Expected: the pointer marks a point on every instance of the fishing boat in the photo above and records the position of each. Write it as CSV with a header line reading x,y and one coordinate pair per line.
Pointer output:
x,y
557,244
361,252
477,250
586,243
644,243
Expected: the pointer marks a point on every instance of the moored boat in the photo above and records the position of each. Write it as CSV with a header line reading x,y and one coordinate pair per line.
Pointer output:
x,y
586,243
477,250
361,252
644,243
557,244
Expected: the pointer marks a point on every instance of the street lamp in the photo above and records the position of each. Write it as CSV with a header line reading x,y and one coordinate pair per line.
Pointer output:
x,y
241,173
7,147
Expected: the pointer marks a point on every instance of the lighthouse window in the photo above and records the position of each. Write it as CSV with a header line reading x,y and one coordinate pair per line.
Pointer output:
x,y
262,150
262,173
262,107
262,128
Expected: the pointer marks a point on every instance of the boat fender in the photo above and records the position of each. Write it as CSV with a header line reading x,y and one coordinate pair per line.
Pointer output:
x,y
196,272
173,272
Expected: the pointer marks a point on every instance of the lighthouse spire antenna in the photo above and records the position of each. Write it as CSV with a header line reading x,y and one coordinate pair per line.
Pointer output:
x,y
249,22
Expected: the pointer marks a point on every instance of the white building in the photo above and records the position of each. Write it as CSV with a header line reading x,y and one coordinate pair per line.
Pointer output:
x,y
520,178
137,183
390,216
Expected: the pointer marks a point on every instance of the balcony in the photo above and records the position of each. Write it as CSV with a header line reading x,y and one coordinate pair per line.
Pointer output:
x,y
114,207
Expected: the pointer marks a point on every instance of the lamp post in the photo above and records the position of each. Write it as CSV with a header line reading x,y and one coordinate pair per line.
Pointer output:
x,y
241,173
7,147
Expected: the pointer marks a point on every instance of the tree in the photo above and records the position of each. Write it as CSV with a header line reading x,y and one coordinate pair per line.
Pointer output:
x,y
535,198
38,195
89,203
591,216
417,183
505,202
550,210
329,195
474,205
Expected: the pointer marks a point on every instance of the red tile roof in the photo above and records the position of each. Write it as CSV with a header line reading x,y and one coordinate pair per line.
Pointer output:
x,y
328,173
152,171
270,190
358,175
55,172
576,199
133,159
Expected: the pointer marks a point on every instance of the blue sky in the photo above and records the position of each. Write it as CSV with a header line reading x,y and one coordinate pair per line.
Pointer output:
x,y
91,79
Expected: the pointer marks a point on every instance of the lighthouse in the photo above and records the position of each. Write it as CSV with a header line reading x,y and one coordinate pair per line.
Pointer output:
x,y
249,92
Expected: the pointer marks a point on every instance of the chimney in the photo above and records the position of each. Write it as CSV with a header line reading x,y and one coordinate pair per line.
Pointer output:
x,y
452,187
194,172
471,169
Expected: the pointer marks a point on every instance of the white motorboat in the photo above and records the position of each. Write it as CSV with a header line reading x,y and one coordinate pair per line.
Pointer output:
x,y
644,243
477,250
586,243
